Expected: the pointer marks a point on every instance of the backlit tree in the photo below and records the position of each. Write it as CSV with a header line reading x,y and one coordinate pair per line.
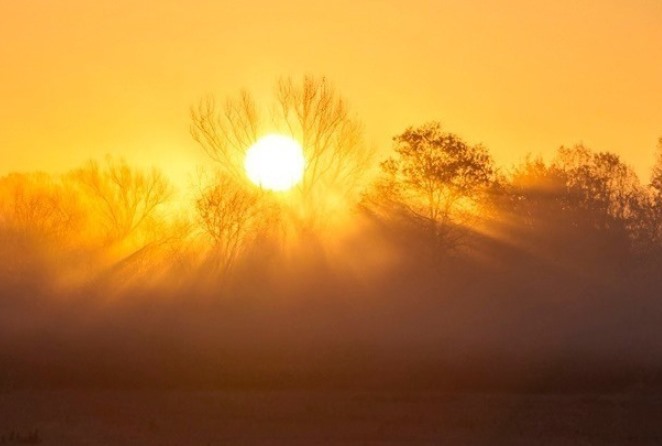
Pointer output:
x,y
310,111
436,179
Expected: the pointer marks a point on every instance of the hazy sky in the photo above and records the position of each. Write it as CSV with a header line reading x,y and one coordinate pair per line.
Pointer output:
x,y
81,78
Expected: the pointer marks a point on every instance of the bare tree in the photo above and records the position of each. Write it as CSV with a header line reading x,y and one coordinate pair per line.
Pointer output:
x,y
310,111
232,216
40,206
225,133
335,151
125,199
41,218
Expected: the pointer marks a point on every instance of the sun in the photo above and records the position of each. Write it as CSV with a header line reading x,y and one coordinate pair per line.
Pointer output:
x,y
275,162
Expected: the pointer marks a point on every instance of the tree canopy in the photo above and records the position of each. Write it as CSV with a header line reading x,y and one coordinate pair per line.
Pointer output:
x,y
436,178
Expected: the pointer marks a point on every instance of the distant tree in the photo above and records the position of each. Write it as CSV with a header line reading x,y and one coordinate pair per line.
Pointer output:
x,y
124,200
40,207
225,132
651,208
336,154
436,179
656,177
536,194
600,184
583,209
312,112
232,216
40,221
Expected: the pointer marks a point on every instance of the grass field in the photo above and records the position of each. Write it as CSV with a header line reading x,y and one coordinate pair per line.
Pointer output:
x,y
316,417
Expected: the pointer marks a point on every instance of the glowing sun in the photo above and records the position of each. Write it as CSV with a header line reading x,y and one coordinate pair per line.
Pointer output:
x,y
275,162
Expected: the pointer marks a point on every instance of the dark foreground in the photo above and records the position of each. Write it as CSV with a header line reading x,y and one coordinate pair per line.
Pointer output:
x,y
298,417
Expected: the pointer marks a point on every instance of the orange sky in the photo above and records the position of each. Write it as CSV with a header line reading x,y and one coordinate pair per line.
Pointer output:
x,y
81,78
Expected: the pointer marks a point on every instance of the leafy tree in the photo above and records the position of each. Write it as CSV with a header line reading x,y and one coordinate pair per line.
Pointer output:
x,y
583,210
535,195
656,177
651,209
436,179
600,184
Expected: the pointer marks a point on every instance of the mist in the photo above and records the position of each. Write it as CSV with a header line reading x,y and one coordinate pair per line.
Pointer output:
x,y
537,291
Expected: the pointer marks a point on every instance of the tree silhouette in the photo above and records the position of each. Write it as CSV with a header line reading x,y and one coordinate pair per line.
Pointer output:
x,y
656,177
335,152
126,199
232,216
536,195
582,210
600,184
41,219
126,220
310,111
224,133
40,206
436,179
651,210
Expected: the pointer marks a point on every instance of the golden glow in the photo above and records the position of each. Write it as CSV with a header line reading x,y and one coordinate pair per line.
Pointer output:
x,y
275,162
93,78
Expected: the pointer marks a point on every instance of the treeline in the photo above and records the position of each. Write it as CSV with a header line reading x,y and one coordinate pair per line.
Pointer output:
x,y
445,270
582,203
427,262
436,197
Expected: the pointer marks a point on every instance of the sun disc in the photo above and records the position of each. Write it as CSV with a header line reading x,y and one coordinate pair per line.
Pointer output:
x,y
275,162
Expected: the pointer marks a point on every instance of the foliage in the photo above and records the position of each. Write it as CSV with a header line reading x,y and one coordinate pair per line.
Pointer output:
x,y
437,179
112,221
650,211
599,183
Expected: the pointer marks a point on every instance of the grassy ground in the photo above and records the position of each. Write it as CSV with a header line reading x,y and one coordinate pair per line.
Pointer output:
x,y
315,417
